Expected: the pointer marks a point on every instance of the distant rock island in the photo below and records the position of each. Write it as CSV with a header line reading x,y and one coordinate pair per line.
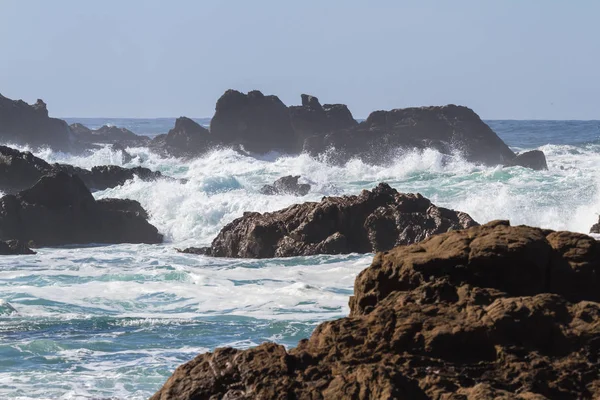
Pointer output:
x,y
256,124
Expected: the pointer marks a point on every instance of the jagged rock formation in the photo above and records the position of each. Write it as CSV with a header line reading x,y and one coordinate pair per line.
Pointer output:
x,y
375,220
492,312
108,134
20,170
286,185
25,124
59,210
186,139
14,247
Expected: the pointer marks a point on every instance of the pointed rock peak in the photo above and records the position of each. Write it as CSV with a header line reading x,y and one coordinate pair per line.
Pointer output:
x,y
41,107
310,101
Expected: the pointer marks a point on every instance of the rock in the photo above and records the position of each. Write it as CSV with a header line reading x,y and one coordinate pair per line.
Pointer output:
x,y
108,134
311,118
447,129
20,170
24,124
119,148
596,227
488,312
124,205
286,185
187,139
14,247
202,251
375,220
534,159
257,122
59,209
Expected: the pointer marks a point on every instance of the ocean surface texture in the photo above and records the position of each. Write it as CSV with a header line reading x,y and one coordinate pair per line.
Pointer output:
x,y
114,321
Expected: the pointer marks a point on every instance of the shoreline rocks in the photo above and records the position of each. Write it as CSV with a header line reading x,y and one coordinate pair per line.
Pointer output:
x,y
534,159
14,247
286,185
59,209
375,220
493,311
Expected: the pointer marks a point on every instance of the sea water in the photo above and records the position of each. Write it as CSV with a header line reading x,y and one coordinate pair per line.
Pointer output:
x,y
114,321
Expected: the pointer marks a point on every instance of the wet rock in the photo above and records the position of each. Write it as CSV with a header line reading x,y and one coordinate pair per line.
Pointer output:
x,y
596,227
108,134
14,247
375,220
487,312
124,205
286,185
119,148
24,124
59,209
187,139
534,159
257,122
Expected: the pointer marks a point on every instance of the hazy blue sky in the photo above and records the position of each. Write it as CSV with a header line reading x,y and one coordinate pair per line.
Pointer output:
x,y
145,58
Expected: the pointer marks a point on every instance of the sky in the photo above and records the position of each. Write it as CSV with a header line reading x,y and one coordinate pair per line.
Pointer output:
x,y
509,59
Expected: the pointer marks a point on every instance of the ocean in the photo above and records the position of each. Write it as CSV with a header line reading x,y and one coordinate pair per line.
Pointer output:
x,y
114,321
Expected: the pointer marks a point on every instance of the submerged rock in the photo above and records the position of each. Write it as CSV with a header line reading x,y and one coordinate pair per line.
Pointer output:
x,y
14,247
534,159
59,209
375,220
489,312
20,170
286,185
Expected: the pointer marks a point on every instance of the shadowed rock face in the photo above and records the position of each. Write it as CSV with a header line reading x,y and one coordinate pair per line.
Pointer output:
x,y
534,159
257,122
108,134
14,247
59,209
491,312
373,221
25,124
186,139
20,170
311,118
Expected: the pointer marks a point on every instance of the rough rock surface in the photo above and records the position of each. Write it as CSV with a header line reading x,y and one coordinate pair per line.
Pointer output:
x,y
186,139
257,122
311,118
286,185
59,209
14,247
24,124
20,170
448,129
108,134
534,159
492,312
375,220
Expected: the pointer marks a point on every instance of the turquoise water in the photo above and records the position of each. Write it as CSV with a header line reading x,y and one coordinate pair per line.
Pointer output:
x,y
114,321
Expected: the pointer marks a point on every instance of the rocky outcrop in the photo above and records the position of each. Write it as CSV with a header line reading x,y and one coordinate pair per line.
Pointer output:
x,y
448,129
286,185
24,124
59,210
14,247
492,312
596,227
19,170
187,139
108,134
313,119
254,121
119,148
375,220
534,159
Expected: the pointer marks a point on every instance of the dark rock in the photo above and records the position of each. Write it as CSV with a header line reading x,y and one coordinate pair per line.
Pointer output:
x,y
203,251
123,205
311,118
286,185
59,209
119,148
14,247
187,139
596,227
24,124
19,170
534,159
447,129
257,122
375,220
485,313
108,134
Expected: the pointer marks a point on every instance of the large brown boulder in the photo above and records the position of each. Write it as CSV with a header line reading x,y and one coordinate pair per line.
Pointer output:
x,y
375,220
24,124
257,122
492,312
59,209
